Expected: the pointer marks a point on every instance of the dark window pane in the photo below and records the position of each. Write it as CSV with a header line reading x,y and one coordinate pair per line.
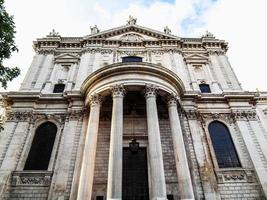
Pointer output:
x,y
204,88
59,88
41,149
99,197
170,197
131,59
223,145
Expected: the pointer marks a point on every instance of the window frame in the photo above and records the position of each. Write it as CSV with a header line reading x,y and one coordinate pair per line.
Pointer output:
x,y
212,151
204,84
29,141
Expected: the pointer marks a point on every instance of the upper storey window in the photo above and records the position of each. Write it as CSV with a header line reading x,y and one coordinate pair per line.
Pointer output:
x,y
132,59
59,88
204,88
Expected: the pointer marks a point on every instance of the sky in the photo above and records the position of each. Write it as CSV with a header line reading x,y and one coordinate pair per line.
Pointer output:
x,y
241,23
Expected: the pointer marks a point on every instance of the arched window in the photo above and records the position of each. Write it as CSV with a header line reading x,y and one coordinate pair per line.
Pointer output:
x,y
42,146
223,145
59,88
132,59
204,88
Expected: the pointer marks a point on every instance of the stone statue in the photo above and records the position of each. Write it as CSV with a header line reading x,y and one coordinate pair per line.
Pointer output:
x,y
208,34
53,33
131,20
167,30
94,29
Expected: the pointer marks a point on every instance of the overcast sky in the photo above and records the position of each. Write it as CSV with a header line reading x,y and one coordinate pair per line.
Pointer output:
x,y
242,23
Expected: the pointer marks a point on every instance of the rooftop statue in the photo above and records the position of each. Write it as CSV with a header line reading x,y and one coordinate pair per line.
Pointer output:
x,y
131,20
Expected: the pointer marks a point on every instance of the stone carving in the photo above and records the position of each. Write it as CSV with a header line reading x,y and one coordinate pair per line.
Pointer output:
x,y
131,37
117,90
53,33
31,178
76,114
244,114
172,100
95,99
208,34
167,30
94,29
131,20
233,176
132,53
19,116
151,90
215,51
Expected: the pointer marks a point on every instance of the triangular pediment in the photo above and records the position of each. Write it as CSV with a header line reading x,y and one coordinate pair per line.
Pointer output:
x,y
132,33
67,58
196,58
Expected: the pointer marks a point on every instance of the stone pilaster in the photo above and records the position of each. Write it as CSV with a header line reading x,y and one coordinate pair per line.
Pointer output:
x,y
157,177
183,173
114,188
88,160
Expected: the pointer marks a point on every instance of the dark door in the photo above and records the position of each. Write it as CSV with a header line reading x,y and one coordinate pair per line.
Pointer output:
x,y
135,179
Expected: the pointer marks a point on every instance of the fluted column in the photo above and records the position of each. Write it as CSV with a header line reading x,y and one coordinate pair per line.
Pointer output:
x,y
114,190
183,173
88,161
157,177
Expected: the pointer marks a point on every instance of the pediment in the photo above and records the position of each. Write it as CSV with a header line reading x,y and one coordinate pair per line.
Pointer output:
x,y
132,33
196,58
67,58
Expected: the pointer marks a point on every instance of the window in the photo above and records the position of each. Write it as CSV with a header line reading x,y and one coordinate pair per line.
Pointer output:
x,y
132,59
42,146
223,145
170,197
59,88
99,197
204,88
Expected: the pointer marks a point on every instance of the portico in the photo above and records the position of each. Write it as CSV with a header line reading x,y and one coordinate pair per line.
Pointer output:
x,y
152,81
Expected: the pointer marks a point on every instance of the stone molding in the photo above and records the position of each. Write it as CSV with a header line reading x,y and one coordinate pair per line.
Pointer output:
x,y
235,175
30,178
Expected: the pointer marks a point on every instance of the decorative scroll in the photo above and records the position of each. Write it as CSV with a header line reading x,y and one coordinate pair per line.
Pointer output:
x,y
172,100
31,178
95,99
235,175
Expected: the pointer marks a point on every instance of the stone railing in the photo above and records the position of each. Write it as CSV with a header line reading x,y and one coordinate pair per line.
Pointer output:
x,y
235,175
40,178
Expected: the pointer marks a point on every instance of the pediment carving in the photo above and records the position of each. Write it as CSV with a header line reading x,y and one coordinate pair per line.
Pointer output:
x,y
132,37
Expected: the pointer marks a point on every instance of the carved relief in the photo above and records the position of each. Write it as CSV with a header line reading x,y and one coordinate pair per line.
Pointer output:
x,y
131,37
31,178
233,176
117,90
151,90
244,115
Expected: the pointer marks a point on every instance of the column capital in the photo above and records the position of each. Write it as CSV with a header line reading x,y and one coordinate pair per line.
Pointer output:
x,y
151,90
172,100
117,90
95,99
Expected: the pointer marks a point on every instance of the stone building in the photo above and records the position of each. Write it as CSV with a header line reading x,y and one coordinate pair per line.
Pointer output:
x,y
135,114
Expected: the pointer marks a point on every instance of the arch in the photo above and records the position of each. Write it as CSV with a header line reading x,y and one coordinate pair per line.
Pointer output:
x,y
42,146
223,145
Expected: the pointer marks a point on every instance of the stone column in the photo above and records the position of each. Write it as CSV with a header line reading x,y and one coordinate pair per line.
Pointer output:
x,y
158,185
114,190
183,173
88,161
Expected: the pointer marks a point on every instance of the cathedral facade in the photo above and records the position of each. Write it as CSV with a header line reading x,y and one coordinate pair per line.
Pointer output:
x,y
133,113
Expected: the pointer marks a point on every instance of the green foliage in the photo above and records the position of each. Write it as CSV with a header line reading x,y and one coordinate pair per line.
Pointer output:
x,y
7,46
